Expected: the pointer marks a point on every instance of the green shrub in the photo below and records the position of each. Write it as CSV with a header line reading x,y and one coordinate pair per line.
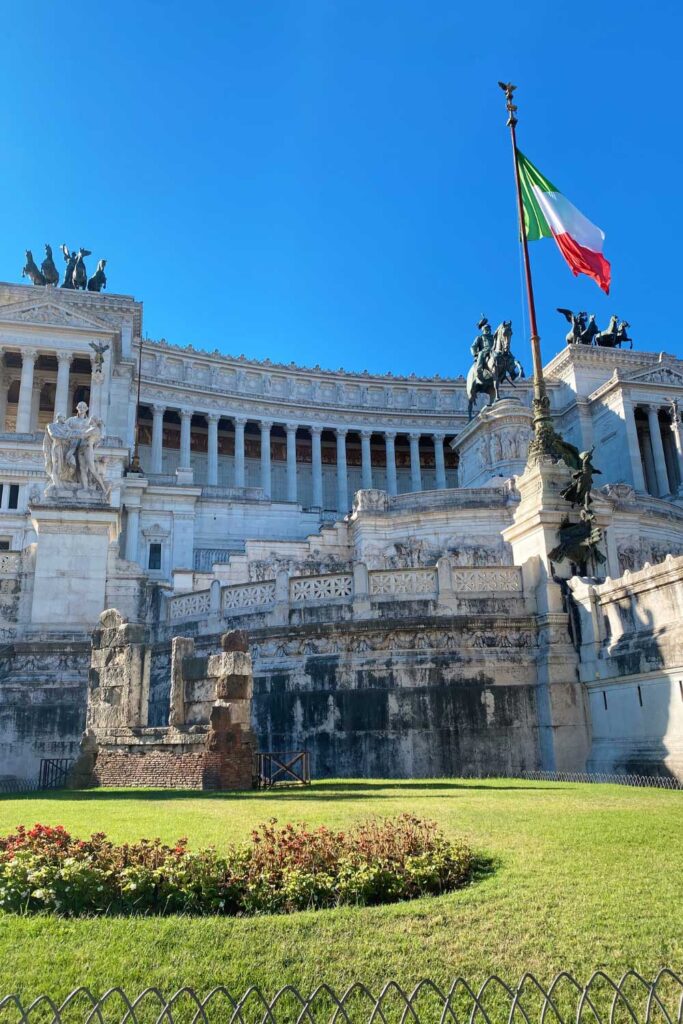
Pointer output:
x,y
282,869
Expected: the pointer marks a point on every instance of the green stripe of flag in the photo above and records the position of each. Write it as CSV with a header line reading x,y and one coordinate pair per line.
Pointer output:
x,y
535,224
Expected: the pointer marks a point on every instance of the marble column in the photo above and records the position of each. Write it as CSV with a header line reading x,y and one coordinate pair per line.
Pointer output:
x,y
4,388
637,472
38,384
291,461
390,445
132,533
157,437
342,474
185,438
658,450
28,362
316,454
4,499
265,456
440,461
678,437
415,473
212,471
64,360
366,459
240,424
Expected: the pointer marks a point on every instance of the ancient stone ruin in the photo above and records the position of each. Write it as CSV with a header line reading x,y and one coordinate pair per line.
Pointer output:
x,y
208,742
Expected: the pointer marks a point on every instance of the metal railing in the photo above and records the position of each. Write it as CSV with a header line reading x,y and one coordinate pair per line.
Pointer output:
x,y
54,772
279,768
650,781
633,999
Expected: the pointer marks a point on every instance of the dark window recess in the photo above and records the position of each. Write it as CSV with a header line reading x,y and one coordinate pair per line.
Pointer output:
x,y
4,545
154,556
608,628
604,699
13,496
640,696
680,687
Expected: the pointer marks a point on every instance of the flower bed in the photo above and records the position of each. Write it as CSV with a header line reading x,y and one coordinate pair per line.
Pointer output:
x,y
282,869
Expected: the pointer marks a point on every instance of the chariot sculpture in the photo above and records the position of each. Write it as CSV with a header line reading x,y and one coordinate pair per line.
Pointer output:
x,y
75,272
585,331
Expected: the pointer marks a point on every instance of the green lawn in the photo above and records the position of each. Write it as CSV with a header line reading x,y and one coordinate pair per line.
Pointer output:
x,y
584,876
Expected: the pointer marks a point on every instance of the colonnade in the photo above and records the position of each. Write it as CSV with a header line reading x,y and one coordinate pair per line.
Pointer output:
x,y
31,384
655,438
290,429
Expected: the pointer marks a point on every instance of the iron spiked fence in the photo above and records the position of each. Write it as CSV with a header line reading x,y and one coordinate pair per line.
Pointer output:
x,y
601,1000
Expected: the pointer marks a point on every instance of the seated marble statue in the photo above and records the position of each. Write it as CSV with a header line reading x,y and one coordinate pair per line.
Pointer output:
x,y
69,450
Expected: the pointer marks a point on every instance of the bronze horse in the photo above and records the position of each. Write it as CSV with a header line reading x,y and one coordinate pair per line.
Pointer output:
x,y
48,268
614,335
31,270
501,366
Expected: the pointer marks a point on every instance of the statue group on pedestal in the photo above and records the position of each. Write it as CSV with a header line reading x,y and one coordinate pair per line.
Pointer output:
x,y
69,451
493,364
579,542
75,273
585,331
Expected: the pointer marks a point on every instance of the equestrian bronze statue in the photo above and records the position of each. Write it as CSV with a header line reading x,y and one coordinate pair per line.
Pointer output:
x,y
494,363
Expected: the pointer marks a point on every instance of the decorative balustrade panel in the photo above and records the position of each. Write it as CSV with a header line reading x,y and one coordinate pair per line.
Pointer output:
x,y
190,606
247,596
487,579
321,588
9,562
400,582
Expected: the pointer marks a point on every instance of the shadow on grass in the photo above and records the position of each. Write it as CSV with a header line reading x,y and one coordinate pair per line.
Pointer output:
x,y
337,790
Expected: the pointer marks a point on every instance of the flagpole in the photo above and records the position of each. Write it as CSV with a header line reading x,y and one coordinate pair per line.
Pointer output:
x,y
543,428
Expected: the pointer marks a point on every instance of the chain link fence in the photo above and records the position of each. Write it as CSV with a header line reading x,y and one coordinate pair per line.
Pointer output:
x,y
601,1000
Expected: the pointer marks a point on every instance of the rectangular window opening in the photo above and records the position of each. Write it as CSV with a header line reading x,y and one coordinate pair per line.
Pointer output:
x,y
154,561
4,544
13,496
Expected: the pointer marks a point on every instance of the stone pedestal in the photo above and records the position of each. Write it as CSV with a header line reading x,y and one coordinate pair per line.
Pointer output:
x,y
495,443
71,563
562,700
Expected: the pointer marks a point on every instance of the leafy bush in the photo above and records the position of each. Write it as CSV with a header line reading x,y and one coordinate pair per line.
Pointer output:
x,y
282,869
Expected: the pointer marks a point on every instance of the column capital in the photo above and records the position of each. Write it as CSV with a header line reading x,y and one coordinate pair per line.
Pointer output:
x,y
29,354
265,424
65,357
415,435
438,437
158,410
186,414
390,435
366,434
315,430
212,417
341,431
291,428
239,421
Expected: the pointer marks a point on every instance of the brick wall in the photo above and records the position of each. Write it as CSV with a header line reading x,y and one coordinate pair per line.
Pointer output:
x,y
167,769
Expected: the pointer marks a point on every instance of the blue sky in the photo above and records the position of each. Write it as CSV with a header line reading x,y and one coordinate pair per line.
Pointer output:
x,y
331,182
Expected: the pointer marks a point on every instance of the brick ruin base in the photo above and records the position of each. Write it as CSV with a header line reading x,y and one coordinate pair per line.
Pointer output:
x,y
208,743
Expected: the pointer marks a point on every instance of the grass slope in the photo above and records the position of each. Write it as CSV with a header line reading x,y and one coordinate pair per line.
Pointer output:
x,y
585,876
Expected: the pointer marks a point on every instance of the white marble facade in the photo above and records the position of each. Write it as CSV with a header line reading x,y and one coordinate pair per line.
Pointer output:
x,y
275,493
235,450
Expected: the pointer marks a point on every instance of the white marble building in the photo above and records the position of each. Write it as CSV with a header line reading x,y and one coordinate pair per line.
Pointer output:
x,y
241,513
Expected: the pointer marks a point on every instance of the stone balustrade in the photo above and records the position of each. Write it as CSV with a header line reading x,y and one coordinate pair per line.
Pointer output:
x,y
445,585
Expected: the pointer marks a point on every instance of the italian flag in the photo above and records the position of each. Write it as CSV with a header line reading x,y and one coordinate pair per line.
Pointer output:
x,y
548,214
